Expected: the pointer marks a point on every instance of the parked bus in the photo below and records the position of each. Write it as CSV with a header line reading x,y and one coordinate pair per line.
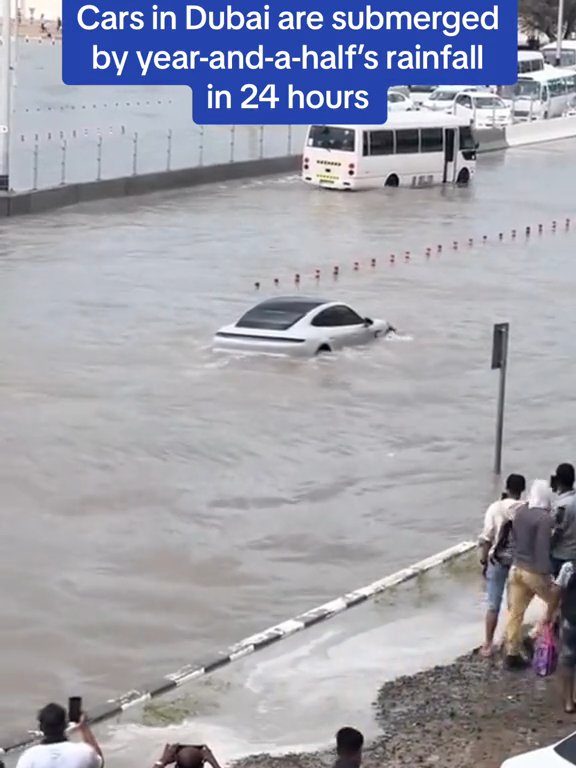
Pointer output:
x,y
530,61
541,95
567,54
411,149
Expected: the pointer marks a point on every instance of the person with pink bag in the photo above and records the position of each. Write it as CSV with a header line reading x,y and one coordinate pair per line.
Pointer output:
x,y
563,600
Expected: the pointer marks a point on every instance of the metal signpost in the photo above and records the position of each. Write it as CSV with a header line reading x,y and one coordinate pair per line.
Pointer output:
x,y
5,96
499,361
559,33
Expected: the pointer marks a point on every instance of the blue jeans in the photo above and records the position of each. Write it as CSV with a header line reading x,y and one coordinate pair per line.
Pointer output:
x,y
496,578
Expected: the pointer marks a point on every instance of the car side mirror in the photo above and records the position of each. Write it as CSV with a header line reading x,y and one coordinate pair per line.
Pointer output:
x,y
368,322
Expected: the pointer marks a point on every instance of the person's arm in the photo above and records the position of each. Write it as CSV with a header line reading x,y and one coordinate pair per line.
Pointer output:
x,y
168,756
89,738
209,757
487,536
543,546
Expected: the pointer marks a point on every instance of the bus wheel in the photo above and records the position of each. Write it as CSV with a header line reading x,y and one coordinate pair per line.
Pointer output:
x,y
463,177
392,181
324,349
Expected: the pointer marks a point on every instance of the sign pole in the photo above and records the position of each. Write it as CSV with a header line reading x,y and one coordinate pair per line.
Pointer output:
x,y
559,33
5,94
499,362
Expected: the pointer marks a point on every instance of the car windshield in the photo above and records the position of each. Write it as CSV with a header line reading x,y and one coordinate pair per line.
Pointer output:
x,y
331,137
443,96
488,102
527,89
275,316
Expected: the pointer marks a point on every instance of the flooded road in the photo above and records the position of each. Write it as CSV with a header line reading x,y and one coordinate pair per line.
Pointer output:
x,y
161,502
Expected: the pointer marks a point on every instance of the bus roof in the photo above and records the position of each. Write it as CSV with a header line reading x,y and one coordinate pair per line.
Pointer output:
x,y
547,74
530,56
567,45
413,120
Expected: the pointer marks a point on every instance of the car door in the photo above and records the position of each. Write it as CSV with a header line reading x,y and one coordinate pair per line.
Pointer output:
x,y
343,327
463,106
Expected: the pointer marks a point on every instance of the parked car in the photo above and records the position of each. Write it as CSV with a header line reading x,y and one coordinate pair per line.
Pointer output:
x,y
561,755
442,98
399,102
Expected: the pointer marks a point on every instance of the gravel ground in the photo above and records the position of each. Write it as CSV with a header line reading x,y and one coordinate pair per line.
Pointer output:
x,y
470,714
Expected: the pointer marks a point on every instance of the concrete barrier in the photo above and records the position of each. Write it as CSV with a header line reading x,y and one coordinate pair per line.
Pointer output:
x,y
40,200
539,131
113,708
491,139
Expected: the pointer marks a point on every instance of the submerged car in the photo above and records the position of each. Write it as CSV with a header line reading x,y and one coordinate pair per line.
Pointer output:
x,y
299,326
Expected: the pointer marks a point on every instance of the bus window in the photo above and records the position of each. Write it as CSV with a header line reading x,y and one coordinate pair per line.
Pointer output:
x,y
567,58
556,87
330,137
432,139
408,141
382,143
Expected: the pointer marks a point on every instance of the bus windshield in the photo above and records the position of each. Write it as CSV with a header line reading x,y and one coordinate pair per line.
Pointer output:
x,y
527,89
443,96
330,137
467,140
567,58
488,102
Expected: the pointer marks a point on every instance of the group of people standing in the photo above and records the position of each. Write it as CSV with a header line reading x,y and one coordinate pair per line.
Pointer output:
x,y
528,546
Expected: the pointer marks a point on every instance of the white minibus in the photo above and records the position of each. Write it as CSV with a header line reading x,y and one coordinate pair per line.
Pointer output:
x,y
412,149
567,54
541,95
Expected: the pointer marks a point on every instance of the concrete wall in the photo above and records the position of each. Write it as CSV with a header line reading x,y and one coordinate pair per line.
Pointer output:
x,y
37,201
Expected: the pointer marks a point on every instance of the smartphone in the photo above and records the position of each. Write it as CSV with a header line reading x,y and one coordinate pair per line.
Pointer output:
x,y
74,709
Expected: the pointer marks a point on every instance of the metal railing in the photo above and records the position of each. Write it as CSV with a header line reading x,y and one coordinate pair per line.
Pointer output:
x,y
53,158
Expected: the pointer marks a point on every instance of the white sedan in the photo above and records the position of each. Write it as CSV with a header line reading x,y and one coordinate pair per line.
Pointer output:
x,y
299,326
561,755
399,102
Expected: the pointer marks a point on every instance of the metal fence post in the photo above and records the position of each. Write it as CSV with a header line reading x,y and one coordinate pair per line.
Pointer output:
x,y
201,147
289,140
99,159
169,150
35,164
232,142
64,148
135,154
261,142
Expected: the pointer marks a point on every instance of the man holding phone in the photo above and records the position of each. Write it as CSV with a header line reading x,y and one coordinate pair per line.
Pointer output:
x,y
185,756
56,751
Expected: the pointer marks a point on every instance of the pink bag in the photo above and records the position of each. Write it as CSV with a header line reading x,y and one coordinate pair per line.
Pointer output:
x,y
545,658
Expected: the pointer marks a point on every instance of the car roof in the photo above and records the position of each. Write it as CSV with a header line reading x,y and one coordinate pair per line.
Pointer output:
x,y
303,301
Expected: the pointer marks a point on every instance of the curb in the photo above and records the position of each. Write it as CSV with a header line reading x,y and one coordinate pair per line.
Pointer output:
x,y
249,645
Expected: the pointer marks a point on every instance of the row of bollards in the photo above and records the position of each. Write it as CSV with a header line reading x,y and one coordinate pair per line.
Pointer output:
x,y
428,252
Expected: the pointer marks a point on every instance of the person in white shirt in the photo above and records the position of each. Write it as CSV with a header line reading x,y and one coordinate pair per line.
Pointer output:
x,y
56,751
496,554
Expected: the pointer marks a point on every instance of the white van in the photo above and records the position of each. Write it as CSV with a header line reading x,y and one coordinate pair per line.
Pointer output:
x,y
483,110
442,98
541,95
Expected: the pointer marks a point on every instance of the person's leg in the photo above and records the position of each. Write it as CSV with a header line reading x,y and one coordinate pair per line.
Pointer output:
x,y
568,665
496,576
520,595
